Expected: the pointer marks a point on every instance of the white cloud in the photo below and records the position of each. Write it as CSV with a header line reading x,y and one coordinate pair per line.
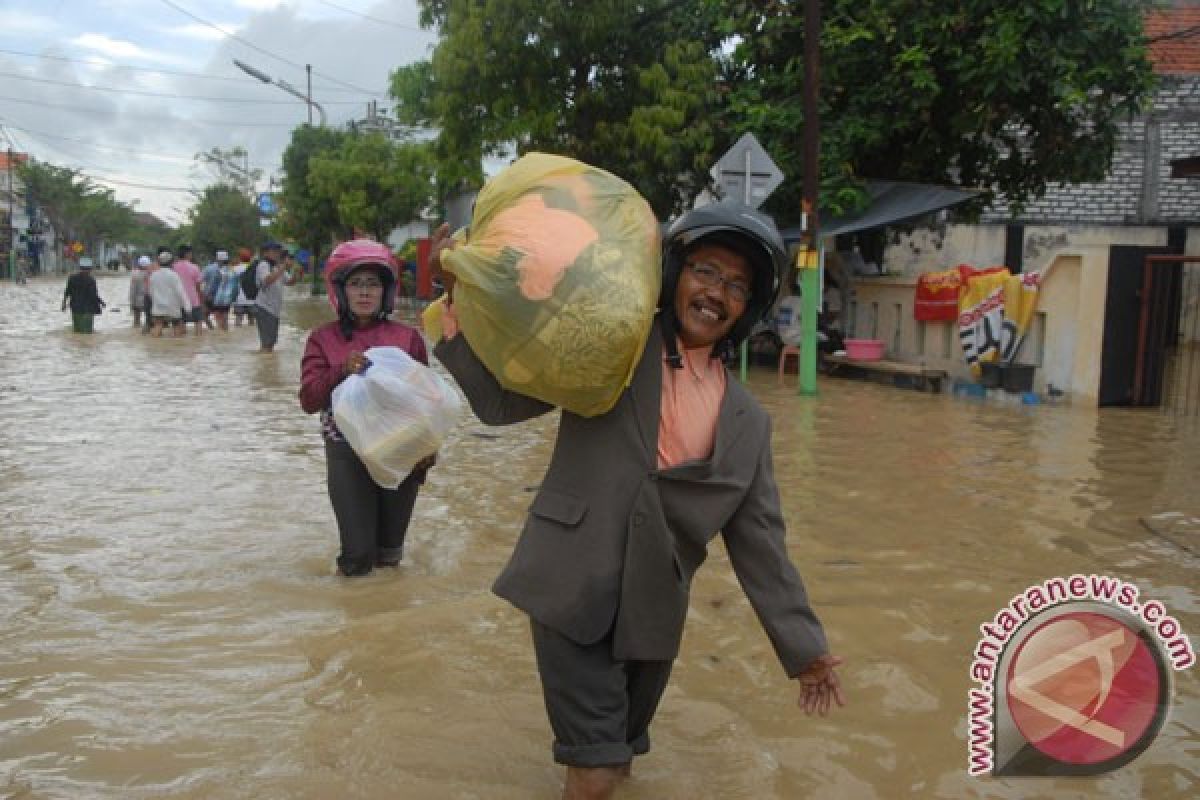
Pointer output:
x,y
13,21
203,33
105,45
258,5
121,50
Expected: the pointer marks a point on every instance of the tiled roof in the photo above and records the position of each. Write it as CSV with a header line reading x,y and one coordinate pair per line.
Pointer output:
x,y
1174,36
17,158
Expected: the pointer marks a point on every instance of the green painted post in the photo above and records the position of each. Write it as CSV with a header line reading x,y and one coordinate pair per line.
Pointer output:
x,y
810,293
745,359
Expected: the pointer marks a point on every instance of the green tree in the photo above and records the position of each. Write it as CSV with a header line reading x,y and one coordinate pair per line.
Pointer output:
x,y
77,209
231,168
373,183
626,85
98,216
223,218
54,190
1007,97
305,216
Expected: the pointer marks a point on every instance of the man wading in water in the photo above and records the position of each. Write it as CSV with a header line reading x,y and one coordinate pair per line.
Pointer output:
x,y
633,496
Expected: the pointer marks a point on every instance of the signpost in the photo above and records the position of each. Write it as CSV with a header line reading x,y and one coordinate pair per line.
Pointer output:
x,y
747,174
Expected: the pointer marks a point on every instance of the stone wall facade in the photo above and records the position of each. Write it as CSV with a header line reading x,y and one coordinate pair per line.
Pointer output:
x,y
1139,189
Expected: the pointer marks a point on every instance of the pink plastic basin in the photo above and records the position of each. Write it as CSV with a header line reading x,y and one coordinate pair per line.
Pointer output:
x,y
864,349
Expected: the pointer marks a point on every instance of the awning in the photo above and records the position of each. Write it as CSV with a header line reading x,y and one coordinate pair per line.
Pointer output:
x,y
891,202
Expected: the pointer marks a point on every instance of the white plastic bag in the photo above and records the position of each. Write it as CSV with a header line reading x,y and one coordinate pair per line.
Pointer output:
x,y
394,414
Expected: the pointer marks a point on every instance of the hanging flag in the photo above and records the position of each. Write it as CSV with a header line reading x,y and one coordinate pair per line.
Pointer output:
x,y
994,312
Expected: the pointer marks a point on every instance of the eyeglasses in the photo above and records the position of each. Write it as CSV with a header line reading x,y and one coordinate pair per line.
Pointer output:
x,y
710,275
364,284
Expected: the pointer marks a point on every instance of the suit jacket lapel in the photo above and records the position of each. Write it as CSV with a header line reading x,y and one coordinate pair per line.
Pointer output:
x,y
646,393
731,417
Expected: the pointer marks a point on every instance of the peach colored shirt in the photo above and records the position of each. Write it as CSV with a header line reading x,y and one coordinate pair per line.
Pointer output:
x,y
691,401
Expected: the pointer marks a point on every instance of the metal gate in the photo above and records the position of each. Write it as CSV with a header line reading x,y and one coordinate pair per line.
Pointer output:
x,y
1151,349
1181,365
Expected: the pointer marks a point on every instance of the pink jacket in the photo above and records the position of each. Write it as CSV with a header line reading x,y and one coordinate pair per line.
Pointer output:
x,y
327,350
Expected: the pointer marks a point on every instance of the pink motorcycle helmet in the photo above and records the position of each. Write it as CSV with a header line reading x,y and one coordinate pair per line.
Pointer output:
x,y
356,254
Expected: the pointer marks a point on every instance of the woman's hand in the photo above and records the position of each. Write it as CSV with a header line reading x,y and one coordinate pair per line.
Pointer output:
x,y
356,362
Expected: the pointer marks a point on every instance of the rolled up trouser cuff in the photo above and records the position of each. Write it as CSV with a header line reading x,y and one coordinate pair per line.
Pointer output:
x,y
389,554
593,755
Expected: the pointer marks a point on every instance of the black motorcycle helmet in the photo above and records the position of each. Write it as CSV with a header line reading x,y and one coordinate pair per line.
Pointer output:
x,y
742,229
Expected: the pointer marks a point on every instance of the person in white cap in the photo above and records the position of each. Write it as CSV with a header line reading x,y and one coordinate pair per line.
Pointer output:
x,y
137,289
169,303
222,290
84,298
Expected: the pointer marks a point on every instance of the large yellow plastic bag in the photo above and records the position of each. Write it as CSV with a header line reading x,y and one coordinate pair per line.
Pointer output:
x,y
431,319
394,414
557,280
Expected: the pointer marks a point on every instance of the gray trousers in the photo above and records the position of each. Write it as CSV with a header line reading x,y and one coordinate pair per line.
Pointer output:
x,y
372,521
599,708
268,328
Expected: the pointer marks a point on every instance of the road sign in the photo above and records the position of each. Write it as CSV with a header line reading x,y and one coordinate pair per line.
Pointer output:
x,y
746,173
266,203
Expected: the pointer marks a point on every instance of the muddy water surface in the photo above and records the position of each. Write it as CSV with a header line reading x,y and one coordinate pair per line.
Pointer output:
x,y
172,627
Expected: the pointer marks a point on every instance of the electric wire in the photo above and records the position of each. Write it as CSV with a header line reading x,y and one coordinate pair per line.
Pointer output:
x,y
256,48
170,95
373,19
102,63
146,153
159,118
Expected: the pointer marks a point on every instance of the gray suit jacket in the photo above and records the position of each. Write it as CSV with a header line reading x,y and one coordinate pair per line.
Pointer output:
x,y
611,541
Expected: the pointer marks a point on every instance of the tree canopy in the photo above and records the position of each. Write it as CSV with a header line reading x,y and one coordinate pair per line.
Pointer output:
x,y
231,168
372,183
305,216
621,84
76,208
1005,97
223,218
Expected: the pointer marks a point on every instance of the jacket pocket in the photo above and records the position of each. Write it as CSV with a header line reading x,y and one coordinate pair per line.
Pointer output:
x,y
565,509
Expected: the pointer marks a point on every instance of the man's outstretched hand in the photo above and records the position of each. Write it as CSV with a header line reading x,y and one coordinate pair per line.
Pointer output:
x,y
820,686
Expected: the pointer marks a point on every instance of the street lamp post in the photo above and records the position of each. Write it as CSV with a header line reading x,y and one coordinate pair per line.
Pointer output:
x,y
287,87
307,98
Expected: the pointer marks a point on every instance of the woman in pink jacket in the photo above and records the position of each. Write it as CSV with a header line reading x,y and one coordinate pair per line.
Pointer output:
x,y
361,279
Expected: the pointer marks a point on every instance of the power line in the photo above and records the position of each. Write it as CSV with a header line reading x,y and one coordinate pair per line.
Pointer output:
x,y
101,63
268,53
373,19
118,181
223,123
150,186
170,94
151,154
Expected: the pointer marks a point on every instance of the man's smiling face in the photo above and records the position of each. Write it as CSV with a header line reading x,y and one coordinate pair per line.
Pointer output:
x,y
707,311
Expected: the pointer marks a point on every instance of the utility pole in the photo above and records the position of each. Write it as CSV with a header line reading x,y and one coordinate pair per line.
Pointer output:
x,y
308,97
12,231
809,254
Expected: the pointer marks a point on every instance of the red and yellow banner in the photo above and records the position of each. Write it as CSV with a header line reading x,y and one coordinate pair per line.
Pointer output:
x,y
994,312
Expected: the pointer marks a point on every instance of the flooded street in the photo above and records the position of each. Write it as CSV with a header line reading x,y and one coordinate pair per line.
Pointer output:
x,y
172,627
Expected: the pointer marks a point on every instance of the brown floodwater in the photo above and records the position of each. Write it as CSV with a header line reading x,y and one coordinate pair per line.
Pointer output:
x,y
172,627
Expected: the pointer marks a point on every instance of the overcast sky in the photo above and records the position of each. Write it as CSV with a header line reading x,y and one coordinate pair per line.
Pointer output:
x,y
130,90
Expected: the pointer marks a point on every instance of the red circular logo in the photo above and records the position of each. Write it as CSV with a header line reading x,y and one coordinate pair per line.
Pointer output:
x,y
1084,688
